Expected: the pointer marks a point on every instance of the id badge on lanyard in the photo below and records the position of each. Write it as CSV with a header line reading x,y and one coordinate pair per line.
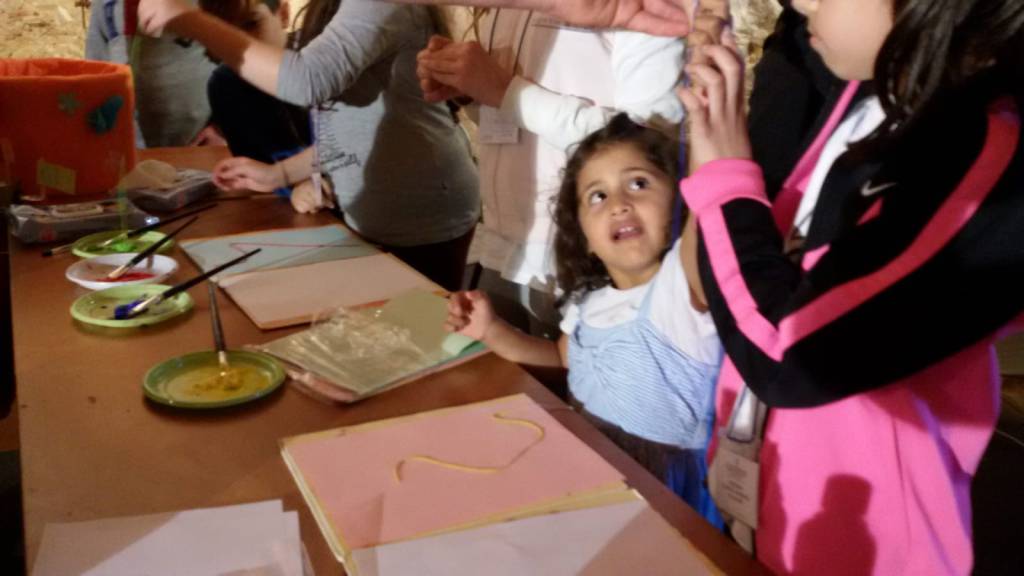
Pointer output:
x,y
497,127
314,127
734,475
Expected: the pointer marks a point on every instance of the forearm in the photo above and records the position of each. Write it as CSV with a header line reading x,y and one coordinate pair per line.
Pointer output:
x,y
539,5
515,346
297,168
645,73
256,62
560,120
688,257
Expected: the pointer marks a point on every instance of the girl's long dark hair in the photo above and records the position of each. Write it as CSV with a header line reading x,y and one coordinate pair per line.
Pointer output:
x,y
939,45
580,271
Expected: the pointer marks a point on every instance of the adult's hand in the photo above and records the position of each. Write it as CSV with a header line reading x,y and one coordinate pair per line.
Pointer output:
x,y
658,17
241,173
434,91
209,136
465,68
155,15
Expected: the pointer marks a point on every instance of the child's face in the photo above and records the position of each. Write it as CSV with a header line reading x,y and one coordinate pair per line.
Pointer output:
x,y
848,33
624,207
267,26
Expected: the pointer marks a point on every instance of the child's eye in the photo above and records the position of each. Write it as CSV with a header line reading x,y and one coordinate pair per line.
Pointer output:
x,y
639,183
596,197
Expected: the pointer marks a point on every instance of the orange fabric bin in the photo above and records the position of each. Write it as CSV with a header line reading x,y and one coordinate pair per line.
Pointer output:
x,y
66,129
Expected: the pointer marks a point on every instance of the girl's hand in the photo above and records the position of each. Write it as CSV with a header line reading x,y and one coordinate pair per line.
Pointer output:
x,y
434,91
209,136
464,68
470,314
240,173
306,200
709,27
715,106
155,15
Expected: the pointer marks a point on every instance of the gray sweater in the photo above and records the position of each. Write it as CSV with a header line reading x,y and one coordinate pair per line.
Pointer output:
x,y
401,167
170,86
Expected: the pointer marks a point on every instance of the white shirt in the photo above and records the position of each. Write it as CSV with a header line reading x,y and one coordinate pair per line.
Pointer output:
x,y
570,82
671,312
863,120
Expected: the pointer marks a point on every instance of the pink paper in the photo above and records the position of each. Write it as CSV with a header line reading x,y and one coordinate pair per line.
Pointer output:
x,y
352,475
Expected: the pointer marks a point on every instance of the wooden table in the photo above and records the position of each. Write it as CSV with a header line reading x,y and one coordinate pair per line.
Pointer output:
x,y
92,447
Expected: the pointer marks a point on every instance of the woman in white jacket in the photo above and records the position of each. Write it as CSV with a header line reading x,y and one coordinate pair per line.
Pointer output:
x,y
541,87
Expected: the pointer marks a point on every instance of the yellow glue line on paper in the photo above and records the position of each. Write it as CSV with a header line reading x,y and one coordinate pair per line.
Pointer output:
x,y
477,469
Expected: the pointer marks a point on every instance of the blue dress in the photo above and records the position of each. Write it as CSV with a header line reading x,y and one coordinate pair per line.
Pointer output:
x,y
631,377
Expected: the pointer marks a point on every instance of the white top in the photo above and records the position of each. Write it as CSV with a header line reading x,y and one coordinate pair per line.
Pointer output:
x,y
570,81
690,331
863,120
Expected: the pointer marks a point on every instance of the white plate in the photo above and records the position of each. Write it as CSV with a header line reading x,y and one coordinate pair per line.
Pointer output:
x,y
89,273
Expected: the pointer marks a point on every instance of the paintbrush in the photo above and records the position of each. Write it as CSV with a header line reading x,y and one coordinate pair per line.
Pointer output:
x,y
132,309
129,233
218,332
120,270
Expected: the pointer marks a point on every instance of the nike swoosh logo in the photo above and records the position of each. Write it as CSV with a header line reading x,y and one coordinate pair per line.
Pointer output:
x,y
868,190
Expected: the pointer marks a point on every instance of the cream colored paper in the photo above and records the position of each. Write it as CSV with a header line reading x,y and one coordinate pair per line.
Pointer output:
x,y
290,296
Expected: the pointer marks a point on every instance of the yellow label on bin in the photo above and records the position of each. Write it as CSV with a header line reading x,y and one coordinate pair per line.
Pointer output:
x,y
55,177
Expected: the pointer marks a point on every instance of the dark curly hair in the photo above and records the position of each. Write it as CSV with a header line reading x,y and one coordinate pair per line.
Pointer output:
x,y
579,270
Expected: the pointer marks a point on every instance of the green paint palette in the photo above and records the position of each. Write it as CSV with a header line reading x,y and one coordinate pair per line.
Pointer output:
x,y
197,381
89,246
97,308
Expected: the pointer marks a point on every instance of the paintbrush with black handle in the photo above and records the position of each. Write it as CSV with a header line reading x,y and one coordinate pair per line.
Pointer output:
x,y
132,309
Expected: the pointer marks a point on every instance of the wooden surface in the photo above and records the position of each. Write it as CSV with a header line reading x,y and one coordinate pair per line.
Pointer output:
x,y
92,447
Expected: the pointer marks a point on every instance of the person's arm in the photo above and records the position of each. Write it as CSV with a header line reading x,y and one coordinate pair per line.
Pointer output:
x,y
688,258
361,33
646,70
256,62
516,346
470,314
241,173
934,272
96,37
296,168
659,17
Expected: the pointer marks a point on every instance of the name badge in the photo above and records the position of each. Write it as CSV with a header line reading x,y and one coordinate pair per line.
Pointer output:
x,y
497,128
733,485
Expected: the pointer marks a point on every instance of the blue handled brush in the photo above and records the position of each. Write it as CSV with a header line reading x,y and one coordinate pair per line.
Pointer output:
x,y
132,309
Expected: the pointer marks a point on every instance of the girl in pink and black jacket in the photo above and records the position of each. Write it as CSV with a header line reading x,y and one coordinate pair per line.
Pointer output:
x,y
862,303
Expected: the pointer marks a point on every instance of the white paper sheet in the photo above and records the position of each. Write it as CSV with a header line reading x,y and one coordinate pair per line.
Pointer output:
x,y
248,539
628,538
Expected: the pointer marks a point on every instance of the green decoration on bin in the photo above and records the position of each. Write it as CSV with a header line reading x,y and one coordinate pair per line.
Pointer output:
x,y
103,118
